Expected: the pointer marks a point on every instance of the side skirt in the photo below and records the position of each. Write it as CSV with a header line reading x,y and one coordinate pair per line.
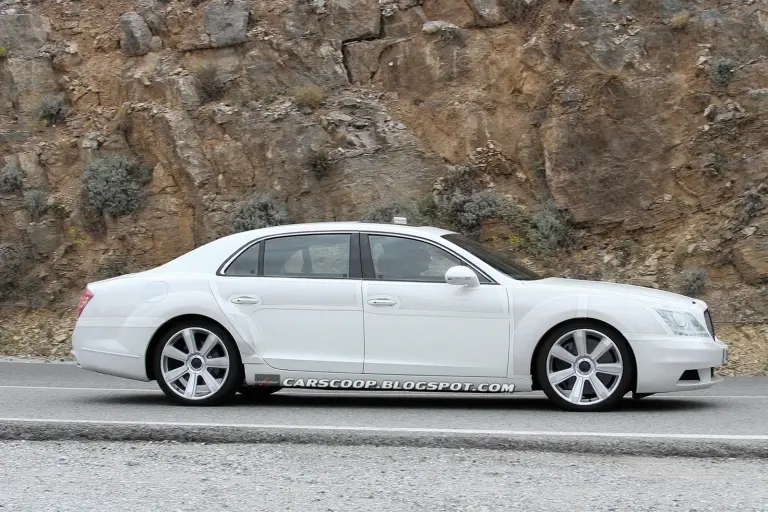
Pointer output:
x,y
265,375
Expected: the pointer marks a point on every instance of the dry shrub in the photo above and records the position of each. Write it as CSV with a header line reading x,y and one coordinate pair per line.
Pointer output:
x,y
310,96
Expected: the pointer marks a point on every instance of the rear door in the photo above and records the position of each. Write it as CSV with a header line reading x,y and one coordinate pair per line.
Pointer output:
x,y
298,299
417,324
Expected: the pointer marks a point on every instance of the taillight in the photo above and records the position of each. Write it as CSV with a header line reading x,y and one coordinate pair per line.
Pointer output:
x,y
84,299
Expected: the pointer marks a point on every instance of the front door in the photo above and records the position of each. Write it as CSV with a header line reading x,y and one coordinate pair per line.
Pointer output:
x,y
417,324
298,300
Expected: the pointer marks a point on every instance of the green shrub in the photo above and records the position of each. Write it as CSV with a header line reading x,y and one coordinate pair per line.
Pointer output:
x,y
113,267
310,96
721,72
467,211
550,228
752,201
210,85
11,178
383,213
428,207
320,163
52,109
259,211
36,202
693,282
115,185
11,259
3,52
680,20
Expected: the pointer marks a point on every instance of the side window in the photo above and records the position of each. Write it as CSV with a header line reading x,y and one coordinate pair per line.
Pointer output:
x,y
403,259
325,256
247,264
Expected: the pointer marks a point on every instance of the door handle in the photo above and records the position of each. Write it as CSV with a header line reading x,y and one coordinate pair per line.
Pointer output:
x,y
245,299
382,302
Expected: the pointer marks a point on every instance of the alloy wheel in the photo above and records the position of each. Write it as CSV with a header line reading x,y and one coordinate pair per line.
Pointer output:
x,y
584,367
195,363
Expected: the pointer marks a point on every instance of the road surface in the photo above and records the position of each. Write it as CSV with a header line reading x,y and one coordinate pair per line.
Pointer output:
x,y
74,476
37,399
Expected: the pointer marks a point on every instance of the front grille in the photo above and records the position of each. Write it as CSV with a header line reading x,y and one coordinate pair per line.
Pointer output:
x,y
710,325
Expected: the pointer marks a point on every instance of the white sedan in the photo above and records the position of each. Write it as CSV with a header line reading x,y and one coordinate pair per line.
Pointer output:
x,y
356,306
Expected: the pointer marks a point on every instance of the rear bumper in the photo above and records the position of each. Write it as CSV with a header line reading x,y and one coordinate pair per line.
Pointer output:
x,y
675,364
112,350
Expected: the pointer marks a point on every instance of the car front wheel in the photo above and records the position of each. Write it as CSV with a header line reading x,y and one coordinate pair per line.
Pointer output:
x,y
197,363
585,366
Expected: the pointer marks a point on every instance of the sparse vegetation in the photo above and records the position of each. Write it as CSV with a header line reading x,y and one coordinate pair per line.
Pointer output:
x,y
3,52
113,267
310,96
721,72
320,163
467,211
11,179
680,20
693,282
550,228
11,258
385,212
259,211
52,109
115,185
752,201
428,207
36,202
600,78
210,85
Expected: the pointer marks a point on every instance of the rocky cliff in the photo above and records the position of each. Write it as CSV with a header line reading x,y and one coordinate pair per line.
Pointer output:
x,y
612,139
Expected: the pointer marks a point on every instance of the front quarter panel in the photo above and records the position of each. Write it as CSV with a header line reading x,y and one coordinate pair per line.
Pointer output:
x,y
539,309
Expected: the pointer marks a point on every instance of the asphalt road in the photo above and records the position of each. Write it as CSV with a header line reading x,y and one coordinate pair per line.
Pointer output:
x,y
59,401
136,477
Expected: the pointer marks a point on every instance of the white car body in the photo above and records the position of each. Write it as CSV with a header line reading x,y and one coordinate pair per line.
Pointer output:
x,y
322,330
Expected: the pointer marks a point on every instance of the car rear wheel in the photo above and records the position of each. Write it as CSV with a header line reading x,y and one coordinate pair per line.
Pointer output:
x,y
585,366
197,363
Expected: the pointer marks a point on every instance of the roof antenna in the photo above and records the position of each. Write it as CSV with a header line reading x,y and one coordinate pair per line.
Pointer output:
x,y
399,220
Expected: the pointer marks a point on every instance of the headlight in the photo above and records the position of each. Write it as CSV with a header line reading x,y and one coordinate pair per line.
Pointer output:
x,y
682,323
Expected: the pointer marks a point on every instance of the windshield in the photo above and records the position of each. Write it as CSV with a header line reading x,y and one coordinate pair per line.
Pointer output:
x,y
497,261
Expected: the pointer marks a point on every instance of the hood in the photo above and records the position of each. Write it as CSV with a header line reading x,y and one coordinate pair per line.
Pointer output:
x,y
642,293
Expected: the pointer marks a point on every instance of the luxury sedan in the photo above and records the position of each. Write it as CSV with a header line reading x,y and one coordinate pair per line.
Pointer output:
x,y
387,307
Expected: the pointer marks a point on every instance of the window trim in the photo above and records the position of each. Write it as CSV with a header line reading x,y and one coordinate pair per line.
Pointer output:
x,y
355,267
369,273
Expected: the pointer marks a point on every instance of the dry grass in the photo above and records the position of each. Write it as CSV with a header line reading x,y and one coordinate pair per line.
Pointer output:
x,y
602,78
680,20
310,96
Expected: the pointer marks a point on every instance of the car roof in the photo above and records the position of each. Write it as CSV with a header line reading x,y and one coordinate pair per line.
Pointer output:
x,y
207,258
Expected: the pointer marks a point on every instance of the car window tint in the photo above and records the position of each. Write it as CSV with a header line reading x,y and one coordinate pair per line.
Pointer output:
x,y
247,264
403,259
307,256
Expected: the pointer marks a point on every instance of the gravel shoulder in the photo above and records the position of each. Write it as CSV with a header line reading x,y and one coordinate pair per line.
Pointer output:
x,y
79,476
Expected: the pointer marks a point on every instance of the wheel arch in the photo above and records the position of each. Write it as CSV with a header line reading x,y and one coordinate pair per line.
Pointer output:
x,y
534,377
167,326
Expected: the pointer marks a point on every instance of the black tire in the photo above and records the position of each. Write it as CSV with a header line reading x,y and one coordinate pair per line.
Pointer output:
x,y
625,381
231,382
257,393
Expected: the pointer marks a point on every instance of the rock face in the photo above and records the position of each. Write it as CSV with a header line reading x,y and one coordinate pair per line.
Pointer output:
x,y
642,120
136,34
226,22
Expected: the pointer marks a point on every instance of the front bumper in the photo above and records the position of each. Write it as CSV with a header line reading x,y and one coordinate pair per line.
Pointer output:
x,y
677,364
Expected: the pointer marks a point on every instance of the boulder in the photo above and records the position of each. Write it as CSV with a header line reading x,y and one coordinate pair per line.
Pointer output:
x,y
44,236
137,37
226,22
350,20
23,34
488,12
751,260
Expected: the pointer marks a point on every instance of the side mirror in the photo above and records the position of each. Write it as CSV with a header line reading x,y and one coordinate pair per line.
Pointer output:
x,y
461,276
